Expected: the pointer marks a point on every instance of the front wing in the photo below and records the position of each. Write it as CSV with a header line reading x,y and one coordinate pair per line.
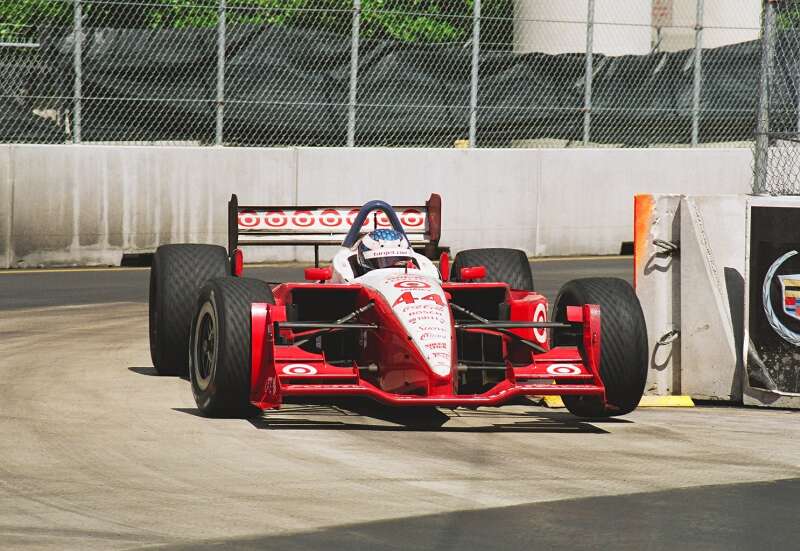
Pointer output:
x,y
279,371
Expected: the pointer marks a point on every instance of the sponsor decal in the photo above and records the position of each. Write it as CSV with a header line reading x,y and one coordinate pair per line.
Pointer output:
x,y
249,219
299,369
563,369
329,219
408,298
412,218
412,284
773,288
380,253
436,345
275,218
303,218
790,290
540,315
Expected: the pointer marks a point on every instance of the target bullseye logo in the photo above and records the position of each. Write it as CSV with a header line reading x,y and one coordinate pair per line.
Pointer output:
x,y
299,369
563,369
303,218
412,284
412,218
248,219
540,315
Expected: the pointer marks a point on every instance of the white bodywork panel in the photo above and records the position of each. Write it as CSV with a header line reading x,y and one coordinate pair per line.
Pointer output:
x,y
420,304
418,301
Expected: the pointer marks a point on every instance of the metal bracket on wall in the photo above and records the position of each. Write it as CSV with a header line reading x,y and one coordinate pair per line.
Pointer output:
x,y
669,337
667,247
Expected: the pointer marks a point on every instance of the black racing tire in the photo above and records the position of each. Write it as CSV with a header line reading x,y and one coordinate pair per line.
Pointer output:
x,y
176,276
623,344
219,346
504,265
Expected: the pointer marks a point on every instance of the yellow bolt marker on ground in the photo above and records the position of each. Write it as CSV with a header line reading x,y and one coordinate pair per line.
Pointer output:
x,y
646,402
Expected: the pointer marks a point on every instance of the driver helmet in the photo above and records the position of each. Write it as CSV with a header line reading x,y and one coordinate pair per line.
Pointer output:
x,y
383,249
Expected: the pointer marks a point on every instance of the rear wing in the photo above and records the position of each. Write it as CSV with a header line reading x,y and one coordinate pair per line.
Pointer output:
x,y
250,225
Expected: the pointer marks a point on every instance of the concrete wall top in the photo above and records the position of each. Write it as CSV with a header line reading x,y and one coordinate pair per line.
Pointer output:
x,y
89,204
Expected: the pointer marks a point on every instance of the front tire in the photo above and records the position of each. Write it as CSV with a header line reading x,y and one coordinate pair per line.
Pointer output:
x,y
219,346
176,276
623,344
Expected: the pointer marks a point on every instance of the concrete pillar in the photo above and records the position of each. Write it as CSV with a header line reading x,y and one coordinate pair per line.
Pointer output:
x,y
725,22
555,27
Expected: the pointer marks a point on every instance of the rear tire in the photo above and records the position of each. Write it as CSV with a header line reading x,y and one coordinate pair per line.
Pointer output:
x,y
623,344
509,266
219,346
176,276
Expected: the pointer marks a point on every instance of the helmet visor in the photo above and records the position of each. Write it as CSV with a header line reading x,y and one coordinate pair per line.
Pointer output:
x,y
389,261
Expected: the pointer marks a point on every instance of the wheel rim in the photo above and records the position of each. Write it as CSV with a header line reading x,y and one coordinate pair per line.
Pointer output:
x,y
206,344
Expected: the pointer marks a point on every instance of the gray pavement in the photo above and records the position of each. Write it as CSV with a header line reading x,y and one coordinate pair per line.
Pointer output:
x,y
38,288
99,453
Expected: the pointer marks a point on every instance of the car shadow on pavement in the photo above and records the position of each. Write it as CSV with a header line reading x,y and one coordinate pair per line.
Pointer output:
x,y
356,414
151,372
363,414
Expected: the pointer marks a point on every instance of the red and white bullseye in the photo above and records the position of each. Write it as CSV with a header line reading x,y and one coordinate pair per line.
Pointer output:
x,y
249,219
326,218
412,218
298,369
412,284
563,369
303,218
330,218
540,315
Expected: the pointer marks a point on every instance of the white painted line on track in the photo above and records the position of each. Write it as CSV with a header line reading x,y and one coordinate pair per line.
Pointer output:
x,y
35,309
22,271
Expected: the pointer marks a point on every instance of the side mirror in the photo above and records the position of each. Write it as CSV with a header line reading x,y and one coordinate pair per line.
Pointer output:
x,y
237,263
473,272
318,274
444,266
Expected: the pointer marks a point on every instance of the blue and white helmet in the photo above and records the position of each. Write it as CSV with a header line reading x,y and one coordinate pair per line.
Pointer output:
x,y
383,249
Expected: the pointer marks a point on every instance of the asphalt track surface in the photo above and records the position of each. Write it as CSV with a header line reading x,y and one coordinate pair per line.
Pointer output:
x,y
99,453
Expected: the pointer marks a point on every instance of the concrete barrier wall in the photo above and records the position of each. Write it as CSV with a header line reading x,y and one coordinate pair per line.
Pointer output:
x,y
6,200
90,204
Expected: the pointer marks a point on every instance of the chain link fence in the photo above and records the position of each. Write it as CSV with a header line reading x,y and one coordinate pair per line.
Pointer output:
x,y
436,73
777,148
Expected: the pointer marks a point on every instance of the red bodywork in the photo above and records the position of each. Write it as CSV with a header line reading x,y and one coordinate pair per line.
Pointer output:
x,y
282,368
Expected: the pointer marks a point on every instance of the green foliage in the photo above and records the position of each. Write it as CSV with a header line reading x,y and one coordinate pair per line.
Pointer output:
x,y
416,21
788,14
19,18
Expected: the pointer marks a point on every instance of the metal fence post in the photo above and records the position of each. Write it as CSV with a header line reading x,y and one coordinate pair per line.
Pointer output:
x,y
587,96
698,73
77,52
762,124
473,84
221,29
351,105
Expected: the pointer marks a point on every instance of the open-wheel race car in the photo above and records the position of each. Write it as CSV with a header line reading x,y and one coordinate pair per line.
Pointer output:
x,y
383,321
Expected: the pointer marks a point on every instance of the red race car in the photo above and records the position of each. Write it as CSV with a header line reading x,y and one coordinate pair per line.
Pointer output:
x,y
383,321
